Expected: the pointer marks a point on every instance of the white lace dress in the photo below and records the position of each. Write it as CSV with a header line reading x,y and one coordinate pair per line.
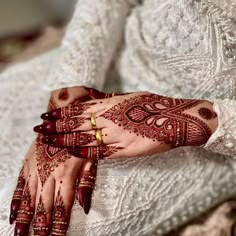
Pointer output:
x,y
179,48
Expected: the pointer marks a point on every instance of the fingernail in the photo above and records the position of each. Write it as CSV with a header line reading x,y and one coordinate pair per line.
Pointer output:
x,y
52,115
49,140
46,128
39,129
87,202
15,204
21,229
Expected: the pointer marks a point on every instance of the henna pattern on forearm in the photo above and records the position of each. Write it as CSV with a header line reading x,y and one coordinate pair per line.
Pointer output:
x,y
63,95
41,226
206,113
94,152
69,140
60,221
160,119
25,213
17,195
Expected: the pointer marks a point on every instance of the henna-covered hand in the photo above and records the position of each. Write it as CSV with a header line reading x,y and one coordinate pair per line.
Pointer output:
x,y
46,187
135,124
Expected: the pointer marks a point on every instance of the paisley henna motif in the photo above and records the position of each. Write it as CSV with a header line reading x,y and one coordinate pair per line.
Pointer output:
x,y
160,119
69,140
206,113
60,221
17,195
40,225
94,152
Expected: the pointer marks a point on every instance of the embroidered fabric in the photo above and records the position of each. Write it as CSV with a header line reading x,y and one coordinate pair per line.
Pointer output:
x,y
174,48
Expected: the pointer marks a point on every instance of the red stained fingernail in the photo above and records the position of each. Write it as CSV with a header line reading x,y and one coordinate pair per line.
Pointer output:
x,y
52,115
15,204
46,128
21,229
87,200
49,140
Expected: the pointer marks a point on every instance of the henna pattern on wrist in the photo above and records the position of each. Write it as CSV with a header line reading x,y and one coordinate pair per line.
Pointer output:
x,y
206,113
41,226
17,196
63,95
160,119
94,152
60,221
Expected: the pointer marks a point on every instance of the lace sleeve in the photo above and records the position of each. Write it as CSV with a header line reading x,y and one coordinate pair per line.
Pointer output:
x,y
91,39
223,139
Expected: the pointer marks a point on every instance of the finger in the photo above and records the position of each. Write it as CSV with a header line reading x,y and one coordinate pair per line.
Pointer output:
x,y
78,123
64,200
76,108
17,195
70,140
95,152
52,116
27,207
87,184
95,94
75,139
45,200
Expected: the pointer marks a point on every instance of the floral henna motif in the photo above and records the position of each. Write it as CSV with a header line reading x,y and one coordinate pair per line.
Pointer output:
x,y
63,95
48,159
40,225
60,221
94,152
160,119
69,140
17,195
25,213
67,125
206,113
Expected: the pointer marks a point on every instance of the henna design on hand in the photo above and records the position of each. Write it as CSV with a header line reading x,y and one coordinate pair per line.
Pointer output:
x,y
60,126
206,113
87,184
74,109
24,214
17,196
94,152
41,226
60,221
160,119
69,140
63,95
48,158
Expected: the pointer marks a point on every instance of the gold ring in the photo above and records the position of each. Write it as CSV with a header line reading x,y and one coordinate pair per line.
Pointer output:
x,y
93,120
99,136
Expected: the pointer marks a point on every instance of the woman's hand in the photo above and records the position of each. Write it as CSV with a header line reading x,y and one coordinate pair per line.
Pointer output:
x,y
135,124
46,185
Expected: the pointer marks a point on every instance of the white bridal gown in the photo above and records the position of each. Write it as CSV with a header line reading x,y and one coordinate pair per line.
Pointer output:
x,y
179,48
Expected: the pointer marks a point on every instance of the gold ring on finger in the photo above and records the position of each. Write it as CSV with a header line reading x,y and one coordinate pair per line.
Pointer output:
x,y
99,136
93,121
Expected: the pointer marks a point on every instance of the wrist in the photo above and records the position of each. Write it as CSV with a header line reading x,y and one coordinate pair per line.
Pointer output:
x,y
64,96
